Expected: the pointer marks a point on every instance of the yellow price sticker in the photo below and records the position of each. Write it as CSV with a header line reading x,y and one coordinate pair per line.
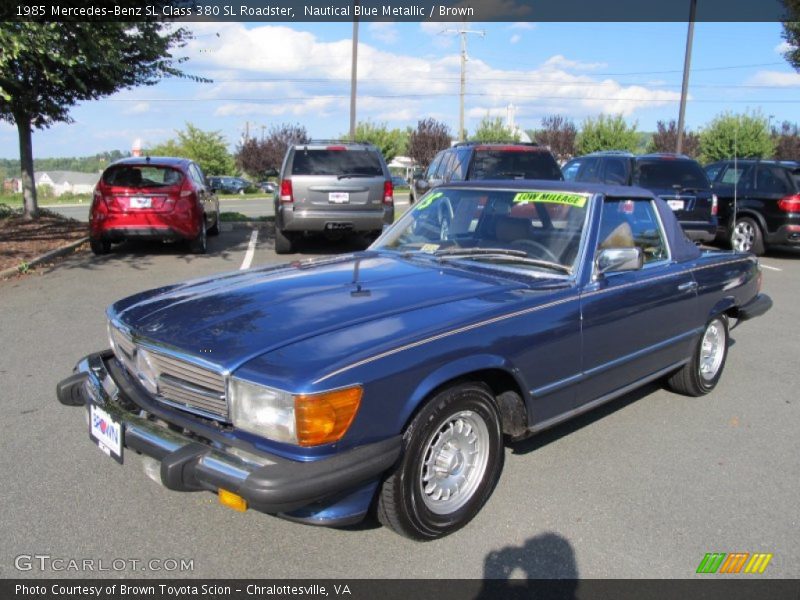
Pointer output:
x,y
578,200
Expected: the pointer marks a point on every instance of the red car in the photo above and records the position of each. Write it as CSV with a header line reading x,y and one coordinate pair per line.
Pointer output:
x,y
153,198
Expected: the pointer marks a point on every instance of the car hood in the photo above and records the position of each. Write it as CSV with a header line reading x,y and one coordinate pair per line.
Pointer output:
x,y
233,318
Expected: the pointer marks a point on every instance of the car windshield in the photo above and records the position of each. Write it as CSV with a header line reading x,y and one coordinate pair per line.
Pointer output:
x,y
539,231
358,163
514,164
144,176
676,174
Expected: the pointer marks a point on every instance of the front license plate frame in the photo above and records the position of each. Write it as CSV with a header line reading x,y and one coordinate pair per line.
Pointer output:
x,y
106,432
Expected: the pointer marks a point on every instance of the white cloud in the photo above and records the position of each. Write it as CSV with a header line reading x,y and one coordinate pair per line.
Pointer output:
x,y
383,31
515,38
776,78
138,108
783,47
559,61
314,105
522,25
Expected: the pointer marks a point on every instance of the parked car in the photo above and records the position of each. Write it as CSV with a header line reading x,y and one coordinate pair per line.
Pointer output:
x,y
229,185
312,388
398,181
468,161
152,198
759,203
676,178
332,188
268,187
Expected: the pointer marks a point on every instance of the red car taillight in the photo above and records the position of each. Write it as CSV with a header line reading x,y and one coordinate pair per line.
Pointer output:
x,y
714,205
286,191
388,192
790,203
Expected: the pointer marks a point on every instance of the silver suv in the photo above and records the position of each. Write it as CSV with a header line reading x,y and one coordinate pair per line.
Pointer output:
x,y
333,188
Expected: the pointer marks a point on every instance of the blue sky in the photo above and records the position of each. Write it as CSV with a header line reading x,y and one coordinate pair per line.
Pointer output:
x,y
270,73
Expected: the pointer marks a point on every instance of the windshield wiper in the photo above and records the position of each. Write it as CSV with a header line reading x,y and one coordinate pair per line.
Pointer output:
x,y
502,254
349,175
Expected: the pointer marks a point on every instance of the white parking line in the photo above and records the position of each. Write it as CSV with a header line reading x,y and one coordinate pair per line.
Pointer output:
x,y
763,266
251,250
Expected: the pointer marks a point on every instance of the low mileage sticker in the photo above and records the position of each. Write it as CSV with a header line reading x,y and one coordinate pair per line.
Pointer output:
x,y
578,200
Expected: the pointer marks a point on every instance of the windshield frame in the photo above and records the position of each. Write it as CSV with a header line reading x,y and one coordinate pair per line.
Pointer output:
x,y
470,261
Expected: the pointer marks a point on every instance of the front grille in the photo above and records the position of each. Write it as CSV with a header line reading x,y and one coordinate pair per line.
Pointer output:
x,y
181,383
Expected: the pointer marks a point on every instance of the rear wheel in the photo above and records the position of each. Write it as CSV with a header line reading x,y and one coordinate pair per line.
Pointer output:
x,y
100,246
283,242
199,245
700,375
453,456
747,236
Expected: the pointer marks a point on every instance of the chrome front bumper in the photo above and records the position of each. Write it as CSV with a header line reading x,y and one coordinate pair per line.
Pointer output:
x,y
199,457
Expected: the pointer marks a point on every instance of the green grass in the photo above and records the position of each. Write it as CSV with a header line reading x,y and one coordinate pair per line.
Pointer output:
x,y
231,216
16,199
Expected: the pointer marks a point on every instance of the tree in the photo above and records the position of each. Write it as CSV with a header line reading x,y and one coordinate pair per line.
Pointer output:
x,y
606,132
744,135
264,157
391,142
791,32
207,148
493,130
666,140
787,141
430,137
559,134
46,68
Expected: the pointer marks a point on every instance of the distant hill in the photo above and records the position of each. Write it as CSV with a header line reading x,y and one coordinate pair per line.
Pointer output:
x,y
83,164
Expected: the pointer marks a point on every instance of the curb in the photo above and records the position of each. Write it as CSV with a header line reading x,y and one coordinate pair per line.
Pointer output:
x,y
6,273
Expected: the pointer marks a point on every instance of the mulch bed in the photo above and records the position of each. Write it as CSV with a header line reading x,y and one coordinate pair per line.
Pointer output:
x,y
22,240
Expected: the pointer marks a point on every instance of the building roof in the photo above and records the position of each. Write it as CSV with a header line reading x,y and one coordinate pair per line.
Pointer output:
x,y
70,177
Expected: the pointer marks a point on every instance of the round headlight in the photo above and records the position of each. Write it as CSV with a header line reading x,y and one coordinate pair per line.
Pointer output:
x,y
146,370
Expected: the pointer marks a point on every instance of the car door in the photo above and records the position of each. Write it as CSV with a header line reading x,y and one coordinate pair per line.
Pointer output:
x,y
208,200
423,184
635,323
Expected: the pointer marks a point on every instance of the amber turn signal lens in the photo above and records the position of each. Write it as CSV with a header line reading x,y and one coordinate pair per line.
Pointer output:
x,y
232,500
324,418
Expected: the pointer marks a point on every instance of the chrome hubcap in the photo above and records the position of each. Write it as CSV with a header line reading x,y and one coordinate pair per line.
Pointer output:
x,y
454,462
712,350
744,234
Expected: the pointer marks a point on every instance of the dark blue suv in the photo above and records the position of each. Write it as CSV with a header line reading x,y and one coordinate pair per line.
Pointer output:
x,y
676,178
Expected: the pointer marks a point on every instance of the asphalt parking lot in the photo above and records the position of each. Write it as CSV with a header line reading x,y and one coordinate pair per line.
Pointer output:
x,y
641,488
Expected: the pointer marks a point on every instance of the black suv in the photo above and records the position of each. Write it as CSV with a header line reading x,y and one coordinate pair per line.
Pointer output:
x,y
759,202
676,178
478,160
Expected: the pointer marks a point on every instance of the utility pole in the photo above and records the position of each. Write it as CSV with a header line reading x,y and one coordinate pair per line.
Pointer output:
x,y
686,66
354,75
463,33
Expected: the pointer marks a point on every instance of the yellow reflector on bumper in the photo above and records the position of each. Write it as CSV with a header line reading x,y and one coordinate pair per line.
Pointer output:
x,y
232,500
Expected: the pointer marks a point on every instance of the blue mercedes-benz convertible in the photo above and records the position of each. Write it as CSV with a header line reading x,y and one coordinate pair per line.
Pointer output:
x,y
391,377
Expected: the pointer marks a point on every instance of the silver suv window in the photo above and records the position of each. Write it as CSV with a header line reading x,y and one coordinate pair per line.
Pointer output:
x,y
336,162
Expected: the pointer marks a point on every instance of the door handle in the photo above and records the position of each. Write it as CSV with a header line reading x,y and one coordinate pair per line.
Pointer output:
x,y
689,285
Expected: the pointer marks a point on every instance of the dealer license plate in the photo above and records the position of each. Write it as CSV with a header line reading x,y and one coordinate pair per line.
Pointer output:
x,y
139,202
105,432
676,204
339,197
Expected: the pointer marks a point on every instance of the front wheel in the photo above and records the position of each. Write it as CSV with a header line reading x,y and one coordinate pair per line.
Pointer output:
x,y
453,456
747,236
702,373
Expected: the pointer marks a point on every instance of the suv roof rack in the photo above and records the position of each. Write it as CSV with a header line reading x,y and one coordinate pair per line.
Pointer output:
x,y
611,153
324,141
669,154
498,142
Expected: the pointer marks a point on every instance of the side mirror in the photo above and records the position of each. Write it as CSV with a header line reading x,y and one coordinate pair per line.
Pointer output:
x,y
614,260
423,184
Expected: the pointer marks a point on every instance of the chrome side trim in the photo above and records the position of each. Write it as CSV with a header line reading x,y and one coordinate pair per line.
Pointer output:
x,y
606,398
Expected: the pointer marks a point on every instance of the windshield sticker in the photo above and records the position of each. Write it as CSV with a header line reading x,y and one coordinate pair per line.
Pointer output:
x,y
427,200
429,248
578,200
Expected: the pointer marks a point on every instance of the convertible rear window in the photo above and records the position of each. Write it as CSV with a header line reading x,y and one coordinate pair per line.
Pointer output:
x,y
336,162
144,176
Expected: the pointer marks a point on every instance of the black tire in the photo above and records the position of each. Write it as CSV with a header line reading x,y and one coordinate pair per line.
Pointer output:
x,y
199,245
283,242
443,429
690,380
100,247
747,236
214,229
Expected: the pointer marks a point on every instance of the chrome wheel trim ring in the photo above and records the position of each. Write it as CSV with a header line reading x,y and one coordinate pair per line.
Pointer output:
x,y
712,350
454,462
744,234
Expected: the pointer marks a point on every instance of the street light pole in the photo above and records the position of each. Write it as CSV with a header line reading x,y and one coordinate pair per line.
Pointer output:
x,y
354,76
686,66
463,33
